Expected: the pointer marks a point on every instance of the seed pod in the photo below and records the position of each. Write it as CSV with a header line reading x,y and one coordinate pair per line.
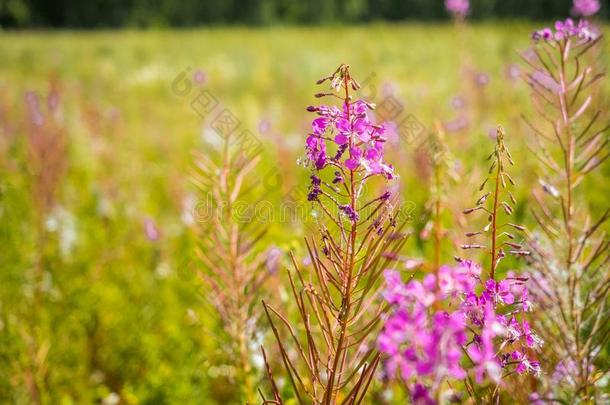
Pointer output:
x,y
519,252
518,227
491,168
483,198
336,83
548,188
512,198
514,245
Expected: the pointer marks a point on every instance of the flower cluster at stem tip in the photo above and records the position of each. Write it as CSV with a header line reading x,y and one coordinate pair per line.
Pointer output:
x,y
346,140
565,30
344,127
441,324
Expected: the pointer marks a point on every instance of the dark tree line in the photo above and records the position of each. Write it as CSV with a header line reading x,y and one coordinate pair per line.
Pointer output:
x,y
184,13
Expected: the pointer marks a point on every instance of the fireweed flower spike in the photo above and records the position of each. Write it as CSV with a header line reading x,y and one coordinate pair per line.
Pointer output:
x,y
458,325
570,262
567,30
446,331
443,174
230,261
46,136
498,309
331,355
496,202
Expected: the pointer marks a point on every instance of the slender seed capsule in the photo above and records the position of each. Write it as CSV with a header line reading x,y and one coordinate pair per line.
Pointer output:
x,y
470,234
514,245
483,198
512,198
519,252
518,227
466,247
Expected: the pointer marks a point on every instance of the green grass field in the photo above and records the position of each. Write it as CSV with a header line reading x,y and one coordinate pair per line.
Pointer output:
x,y
91,309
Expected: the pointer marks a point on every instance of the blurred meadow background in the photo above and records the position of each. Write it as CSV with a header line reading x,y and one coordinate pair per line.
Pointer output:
x,y
99,217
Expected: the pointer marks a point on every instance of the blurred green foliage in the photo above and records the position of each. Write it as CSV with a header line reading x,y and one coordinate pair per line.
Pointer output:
x,y
149,13
114,314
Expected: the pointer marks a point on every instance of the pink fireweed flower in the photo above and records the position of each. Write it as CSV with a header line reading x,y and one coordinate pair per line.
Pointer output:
x,y
395,291
585,8
483,350
461,279
458,8
526,304
519,290
316,151
565,30
345,126
414,291
494,314
520,332
420,395
536,399
565,371
319,125
526,365
426,344
531,338
499,291
423,293
484,357
151,230
273,259
419,344
354,161
199,76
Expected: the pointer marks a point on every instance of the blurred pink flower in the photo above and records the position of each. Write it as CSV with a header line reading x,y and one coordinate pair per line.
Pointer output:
x,y
567,29
585,8
424,342
199,76
273,259
459,8
151,230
